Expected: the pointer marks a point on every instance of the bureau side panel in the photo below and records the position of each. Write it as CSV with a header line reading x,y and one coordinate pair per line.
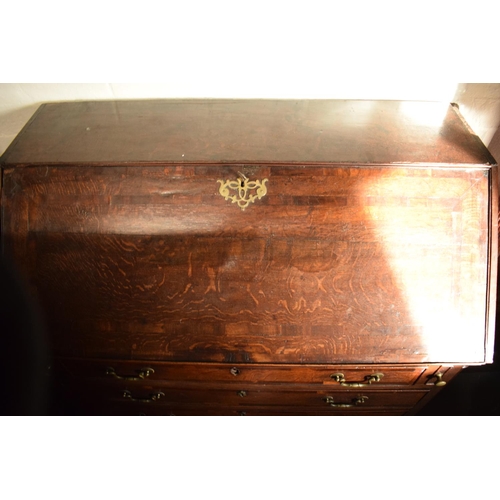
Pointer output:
x,y
382,265
493,267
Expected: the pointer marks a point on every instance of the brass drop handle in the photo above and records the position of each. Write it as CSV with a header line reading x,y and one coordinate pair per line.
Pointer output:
x,y
152,398
234,371
369,379
440,382
242,394
142,374
355,402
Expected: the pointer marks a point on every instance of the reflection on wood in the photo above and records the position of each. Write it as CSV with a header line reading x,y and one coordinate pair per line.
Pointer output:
x,y
390,262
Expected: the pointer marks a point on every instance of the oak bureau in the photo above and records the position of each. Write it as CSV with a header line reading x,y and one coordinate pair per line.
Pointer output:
x,y
254,257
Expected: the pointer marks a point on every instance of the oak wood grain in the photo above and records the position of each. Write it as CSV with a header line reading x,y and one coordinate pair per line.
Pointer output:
x,y
345,264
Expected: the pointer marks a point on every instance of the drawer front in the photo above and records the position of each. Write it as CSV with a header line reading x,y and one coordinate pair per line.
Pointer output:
x,y
337,376
306,397
327,266
260,396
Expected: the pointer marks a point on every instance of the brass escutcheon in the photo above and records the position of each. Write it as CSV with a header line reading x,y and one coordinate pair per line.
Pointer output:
x,y
243,190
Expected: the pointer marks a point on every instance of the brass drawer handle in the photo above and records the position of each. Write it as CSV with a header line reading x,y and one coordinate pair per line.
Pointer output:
x,y
243,190
152,398
369,379
439,382
242,394
234,371
142,374
355,402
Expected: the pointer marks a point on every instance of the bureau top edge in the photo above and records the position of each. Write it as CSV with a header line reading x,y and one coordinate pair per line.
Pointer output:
x,y
221,131
243,164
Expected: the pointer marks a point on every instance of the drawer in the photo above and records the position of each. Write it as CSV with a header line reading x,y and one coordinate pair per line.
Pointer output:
x,y
337,376
306,396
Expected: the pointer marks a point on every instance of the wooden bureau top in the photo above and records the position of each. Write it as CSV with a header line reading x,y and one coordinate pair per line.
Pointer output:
x,y
246,132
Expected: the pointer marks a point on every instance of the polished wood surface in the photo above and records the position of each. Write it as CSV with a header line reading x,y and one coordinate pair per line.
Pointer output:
x,y
373,249
117,371
246,131
254,395
335,264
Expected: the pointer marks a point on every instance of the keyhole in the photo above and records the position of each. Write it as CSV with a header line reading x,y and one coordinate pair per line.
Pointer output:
x,y
242,183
